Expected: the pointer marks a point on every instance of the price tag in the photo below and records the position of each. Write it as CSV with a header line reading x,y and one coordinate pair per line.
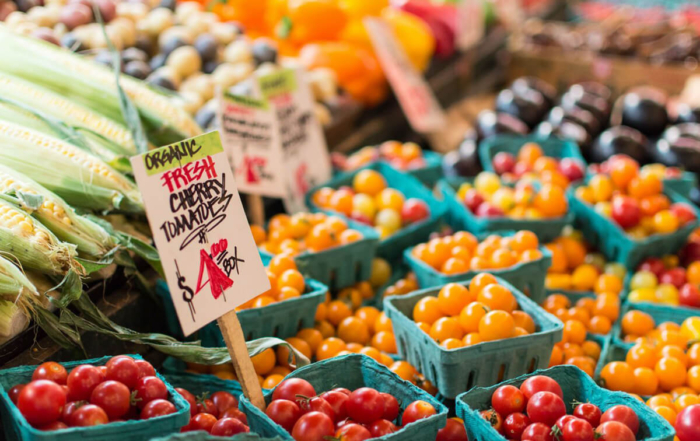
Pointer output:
x,y
304,152
470,25
251,140
415,96
209,256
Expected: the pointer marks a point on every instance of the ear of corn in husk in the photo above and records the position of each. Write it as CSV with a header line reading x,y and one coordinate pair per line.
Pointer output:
x,y
78,177
93,86
33,245
13,320
34,96
14,284
53,212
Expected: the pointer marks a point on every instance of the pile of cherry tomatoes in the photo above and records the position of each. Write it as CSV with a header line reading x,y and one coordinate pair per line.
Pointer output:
x,y
348,415
401,156
536,411
123,389
531,163
216,414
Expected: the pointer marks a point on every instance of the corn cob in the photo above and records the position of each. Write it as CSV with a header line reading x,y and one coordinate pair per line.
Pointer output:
x,y
32,244
55,214
12,320
79,178
93,86
14,284
72,114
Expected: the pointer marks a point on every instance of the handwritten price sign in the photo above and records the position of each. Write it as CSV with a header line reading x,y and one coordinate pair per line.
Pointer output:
x,y
415,96
304,152
470,25
209,256
250,135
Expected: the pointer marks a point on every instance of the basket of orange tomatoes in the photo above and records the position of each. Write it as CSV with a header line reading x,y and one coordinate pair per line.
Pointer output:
x,y
474,333
515,257
630,215
400,209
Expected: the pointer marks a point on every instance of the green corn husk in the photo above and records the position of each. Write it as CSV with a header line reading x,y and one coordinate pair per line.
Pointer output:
x,y
32,244
14,284
36,97
78,177
13,320
92,85
53,212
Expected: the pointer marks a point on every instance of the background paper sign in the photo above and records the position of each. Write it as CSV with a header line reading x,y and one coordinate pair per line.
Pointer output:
x,y
209,256
304,152
415,96
510,12
251,140
470,24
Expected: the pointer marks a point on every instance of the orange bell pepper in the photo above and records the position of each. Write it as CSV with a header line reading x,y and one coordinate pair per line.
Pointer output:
x,y
315,20
413,34
357,9
357,70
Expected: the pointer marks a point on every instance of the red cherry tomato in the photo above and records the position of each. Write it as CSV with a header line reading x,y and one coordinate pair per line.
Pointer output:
x,y
14,392
237,414
113,397
189,398
342,389
202,421
453,431
494,419
353,432
337,401
414,210
313,426
207,406
563,421
540,383
51,371
89,415
149,389
537,432
56,425
623,414
382,427
391,407
365,405
228,427
589,412
578,430
284,412
68,410
41,402
545,407
515,424
157,408
145,369
614,431
124,369
626,211
688,423
223,401
417,411
289,389
508,399
82,380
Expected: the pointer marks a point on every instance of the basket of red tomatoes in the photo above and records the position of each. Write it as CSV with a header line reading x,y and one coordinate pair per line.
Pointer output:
x,y
344,397
109,398
562,403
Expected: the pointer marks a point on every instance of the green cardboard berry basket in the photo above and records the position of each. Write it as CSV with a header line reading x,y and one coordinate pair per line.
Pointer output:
x,y
616,245
683,185
460,218
552,147
278,319
577,386
392,247
527,277
458,370
17,428
354,371
340,266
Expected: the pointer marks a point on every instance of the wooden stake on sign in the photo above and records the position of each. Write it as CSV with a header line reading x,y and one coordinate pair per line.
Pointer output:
x,y
256,208
242,364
